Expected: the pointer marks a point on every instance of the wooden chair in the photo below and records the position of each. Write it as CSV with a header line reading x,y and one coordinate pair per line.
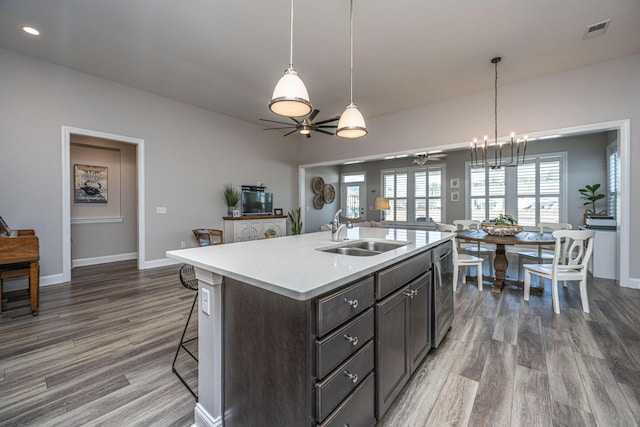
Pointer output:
x,y
574,247
208,236
541,257
476,249
461,260
19,257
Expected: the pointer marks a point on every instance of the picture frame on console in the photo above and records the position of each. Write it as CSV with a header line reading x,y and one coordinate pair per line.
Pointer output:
x,y
277,211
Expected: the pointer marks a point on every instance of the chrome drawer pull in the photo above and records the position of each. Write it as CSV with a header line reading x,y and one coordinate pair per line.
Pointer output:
x,y
410,293
352,377
352,302
352,340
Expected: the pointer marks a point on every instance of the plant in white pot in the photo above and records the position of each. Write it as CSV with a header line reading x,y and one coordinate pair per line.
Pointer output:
x,y
231,197
591,195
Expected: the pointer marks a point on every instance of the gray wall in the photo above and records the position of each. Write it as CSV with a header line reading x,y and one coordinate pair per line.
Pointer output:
x,y
190,153
314,218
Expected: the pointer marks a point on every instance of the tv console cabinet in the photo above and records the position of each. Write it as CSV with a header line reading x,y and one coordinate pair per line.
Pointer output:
x,y
244,228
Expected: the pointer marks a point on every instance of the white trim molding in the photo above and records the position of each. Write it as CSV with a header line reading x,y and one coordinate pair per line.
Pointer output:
x,y
162,262
66,132
75,221
81,262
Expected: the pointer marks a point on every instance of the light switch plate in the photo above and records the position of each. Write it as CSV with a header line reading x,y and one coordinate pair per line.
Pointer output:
x,y
206,306
161,210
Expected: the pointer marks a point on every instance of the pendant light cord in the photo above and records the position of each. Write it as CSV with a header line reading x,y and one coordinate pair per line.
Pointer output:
x,y
495,104
291,39
351,53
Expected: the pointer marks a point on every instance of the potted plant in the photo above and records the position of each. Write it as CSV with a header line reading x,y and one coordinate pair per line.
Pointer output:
x,y
502,225
231,197
591,195
295,220
270,233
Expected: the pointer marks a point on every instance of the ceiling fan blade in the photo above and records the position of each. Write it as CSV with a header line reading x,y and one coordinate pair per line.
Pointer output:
x,y
324,131
274,121
285,127
293,131
327,120
325,127
313,115
296,121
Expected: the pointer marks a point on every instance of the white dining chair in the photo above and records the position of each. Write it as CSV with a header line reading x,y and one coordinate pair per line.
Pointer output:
x,y
572,253
539,256
461,260
475,249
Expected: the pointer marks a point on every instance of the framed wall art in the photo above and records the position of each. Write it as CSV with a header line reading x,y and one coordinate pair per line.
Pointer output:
x,y
455,196
90,184
455,183
277,211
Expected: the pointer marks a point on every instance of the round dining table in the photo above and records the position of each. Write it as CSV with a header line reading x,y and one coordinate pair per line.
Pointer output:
x,y
500,263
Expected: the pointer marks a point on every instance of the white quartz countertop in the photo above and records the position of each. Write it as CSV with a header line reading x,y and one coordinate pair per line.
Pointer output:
x,y
292,266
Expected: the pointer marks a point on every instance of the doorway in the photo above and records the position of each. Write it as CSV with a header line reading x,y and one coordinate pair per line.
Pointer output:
x,y
68,134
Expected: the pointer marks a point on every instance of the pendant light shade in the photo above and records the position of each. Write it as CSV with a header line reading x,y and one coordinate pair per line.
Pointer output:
x,y
351,123
290,97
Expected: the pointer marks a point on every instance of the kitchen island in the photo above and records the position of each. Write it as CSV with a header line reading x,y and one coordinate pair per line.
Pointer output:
x,y
283,324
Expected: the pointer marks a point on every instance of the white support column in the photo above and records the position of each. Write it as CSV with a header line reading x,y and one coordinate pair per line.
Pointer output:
x,y
208,410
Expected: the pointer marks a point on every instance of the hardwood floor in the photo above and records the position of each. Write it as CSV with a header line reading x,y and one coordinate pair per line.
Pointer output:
x,y
100,353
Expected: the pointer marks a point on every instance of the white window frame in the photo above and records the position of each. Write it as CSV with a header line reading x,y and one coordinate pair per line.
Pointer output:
x,y
511,196
410,171
613,196
343,191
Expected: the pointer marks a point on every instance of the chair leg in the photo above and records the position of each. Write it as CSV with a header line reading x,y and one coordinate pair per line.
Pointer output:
x,y
455,277
181,346
527,285
554,296
464,274
479,275
584,296
519,267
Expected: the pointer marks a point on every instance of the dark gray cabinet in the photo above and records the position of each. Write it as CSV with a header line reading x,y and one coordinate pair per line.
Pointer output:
x,y
403,337
339,359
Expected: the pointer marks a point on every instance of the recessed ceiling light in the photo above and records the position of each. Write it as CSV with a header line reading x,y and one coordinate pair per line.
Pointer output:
x,y
31,30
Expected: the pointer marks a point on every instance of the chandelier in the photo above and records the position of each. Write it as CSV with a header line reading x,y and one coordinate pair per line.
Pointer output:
x,y
512,155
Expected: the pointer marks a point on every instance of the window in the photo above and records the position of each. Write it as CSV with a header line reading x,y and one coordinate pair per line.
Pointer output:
x,y
415,194
532,192
613,178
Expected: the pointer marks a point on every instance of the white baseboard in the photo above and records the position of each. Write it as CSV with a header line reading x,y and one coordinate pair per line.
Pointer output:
x,y
23,283
103,259
162,262
202,418
632,283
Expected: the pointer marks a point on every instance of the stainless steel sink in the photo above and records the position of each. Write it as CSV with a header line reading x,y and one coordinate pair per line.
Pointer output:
x,y
364,248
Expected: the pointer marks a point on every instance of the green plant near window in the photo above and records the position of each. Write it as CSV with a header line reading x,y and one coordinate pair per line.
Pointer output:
x,y
231,196
591,195
504,219
296,220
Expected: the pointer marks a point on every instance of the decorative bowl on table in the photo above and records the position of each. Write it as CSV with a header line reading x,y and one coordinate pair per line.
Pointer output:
x,y
501,229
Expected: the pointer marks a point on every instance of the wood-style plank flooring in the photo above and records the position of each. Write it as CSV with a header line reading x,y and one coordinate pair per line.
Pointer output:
x,y
100,353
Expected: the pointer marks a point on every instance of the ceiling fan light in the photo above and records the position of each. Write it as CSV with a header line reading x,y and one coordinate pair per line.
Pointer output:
x,y
290,97
351,123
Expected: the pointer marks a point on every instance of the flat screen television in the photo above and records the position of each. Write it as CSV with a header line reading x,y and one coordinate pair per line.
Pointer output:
x,y
257,203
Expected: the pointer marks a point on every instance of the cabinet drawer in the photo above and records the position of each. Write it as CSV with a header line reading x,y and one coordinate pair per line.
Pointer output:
x,y
335,348
395,276
335,309
331,391
357,410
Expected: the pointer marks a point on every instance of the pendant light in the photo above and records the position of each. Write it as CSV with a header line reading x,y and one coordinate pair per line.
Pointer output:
x,y
351,123
513,155
290,97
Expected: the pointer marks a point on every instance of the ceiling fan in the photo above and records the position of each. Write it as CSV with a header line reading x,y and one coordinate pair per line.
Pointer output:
x,y
422,158
306,125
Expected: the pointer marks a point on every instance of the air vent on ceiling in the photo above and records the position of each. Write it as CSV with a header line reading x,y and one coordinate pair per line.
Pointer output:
x,y
596,29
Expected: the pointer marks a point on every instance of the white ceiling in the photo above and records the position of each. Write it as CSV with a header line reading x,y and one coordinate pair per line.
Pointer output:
x,y
226,56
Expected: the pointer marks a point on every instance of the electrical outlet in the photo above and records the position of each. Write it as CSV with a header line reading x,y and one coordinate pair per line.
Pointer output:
x,y
206,301
183,245
161,209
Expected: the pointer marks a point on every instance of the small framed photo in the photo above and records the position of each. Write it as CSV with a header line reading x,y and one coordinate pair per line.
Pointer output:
x,y
277,211
235,213
455,196
455,183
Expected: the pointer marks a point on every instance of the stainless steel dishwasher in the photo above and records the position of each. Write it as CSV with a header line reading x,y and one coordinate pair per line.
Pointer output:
x,y
442,296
